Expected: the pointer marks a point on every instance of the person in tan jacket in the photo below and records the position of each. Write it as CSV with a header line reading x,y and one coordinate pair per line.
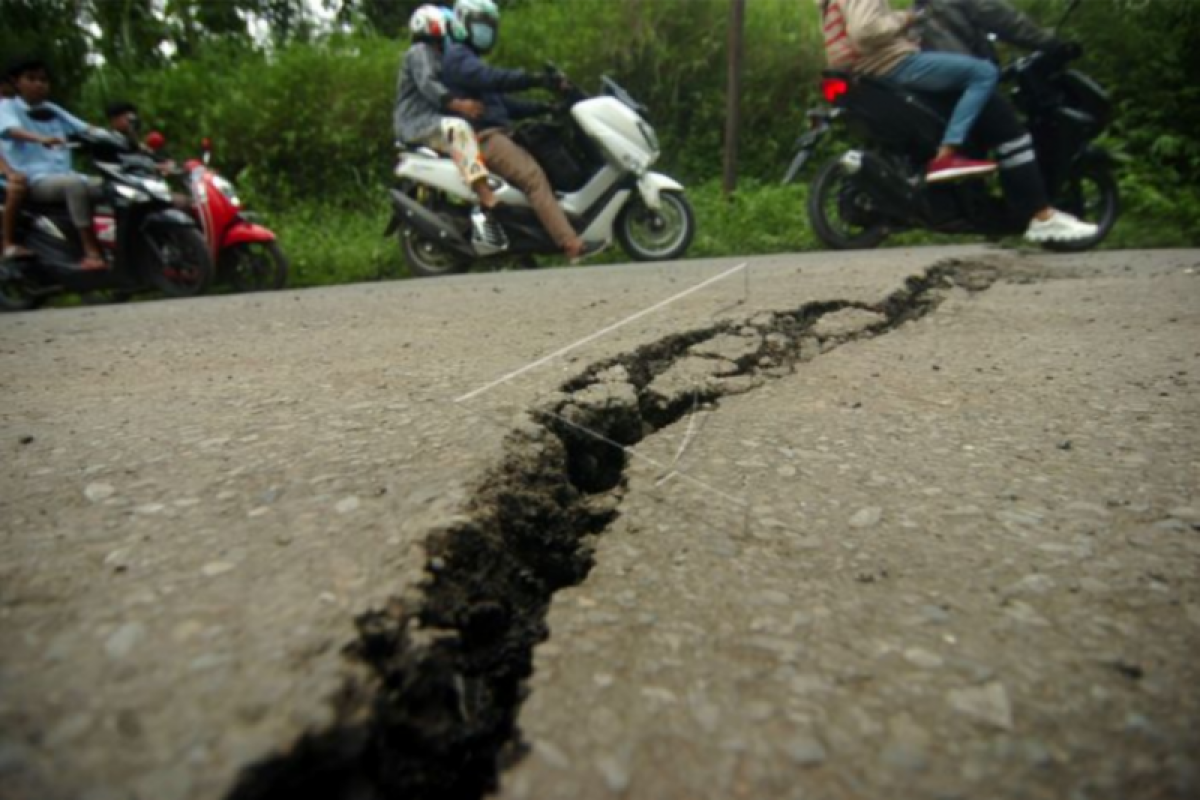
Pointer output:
x,y
869,37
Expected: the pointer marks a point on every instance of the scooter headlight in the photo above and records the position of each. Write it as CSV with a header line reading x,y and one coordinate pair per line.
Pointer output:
x,y
634,164
226,188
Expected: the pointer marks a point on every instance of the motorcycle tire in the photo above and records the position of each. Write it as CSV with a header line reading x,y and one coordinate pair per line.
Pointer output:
x,y
428,259
663,235
16,294
255,267
839,213
1092,195
176,262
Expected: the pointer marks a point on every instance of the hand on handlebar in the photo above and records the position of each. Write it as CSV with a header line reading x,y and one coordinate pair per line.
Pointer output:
x,y
53,141
1067,51
555,79
556,82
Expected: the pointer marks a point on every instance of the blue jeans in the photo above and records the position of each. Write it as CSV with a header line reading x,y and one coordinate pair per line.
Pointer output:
x,y
950,72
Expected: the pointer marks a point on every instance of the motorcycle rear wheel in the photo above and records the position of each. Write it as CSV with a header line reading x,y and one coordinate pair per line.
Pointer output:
x,y
663,235
255,266
175,261
428,259
841,214
1092,195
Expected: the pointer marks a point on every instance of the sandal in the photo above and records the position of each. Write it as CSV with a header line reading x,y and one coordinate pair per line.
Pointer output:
x,y
92,264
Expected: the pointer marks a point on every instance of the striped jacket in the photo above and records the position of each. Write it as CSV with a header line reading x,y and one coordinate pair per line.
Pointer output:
x,y
865,35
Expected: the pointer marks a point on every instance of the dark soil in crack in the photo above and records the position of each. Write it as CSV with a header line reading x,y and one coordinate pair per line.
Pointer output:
x,y
439,720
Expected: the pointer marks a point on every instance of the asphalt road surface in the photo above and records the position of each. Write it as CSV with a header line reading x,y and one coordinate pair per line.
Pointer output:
x,y
910,523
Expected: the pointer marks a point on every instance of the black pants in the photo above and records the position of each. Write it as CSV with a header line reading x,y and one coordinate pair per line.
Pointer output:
x,y
999,128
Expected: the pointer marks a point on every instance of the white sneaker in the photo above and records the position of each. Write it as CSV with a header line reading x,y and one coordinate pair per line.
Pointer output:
x,y
486,234
1060,227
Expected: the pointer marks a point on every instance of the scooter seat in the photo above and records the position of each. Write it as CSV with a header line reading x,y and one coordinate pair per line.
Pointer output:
x,y
888,112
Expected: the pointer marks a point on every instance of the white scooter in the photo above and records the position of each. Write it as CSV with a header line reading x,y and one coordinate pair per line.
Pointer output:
x,y
598,159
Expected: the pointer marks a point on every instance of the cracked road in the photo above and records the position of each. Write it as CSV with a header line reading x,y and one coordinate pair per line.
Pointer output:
x,y
955,557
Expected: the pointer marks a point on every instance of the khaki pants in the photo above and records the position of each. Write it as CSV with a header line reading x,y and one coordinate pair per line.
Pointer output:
x,y
513,163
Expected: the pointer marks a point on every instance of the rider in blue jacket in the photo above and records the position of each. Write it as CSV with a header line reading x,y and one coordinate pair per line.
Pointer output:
x,y
466,74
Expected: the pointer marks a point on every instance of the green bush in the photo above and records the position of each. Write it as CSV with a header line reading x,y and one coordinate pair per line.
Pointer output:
x,y
329,244
308,120
305,126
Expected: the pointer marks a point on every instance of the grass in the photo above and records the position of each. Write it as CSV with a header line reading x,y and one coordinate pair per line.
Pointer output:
x,y
332,243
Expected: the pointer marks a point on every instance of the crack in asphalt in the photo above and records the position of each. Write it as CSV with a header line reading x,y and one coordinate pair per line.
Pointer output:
x,y
450,666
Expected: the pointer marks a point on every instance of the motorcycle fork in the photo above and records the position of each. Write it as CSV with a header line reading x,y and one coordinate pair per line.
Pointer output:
x,y
820,120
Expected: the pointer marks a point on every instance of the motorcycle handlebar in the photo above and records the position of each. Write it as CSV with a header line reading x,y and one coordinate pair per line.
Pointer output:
x,y
554,74
1055,57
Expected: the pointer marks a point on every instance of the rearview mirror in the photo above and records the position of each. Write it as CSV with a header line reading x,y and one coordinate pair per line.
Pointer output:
x,y
155,141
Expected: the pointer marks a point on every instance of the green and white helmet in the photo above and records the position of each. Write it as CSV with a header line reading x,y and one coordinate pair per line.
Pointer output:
x,y
480,19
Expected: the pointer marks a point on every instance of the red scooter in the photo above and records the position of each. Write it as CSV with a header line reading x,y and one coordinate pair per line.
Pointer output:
x,y
247,255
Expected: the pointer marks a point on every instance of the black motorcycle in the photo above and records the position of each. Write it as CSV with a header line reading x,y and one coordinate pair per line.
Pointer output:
x,y
147,243
859,198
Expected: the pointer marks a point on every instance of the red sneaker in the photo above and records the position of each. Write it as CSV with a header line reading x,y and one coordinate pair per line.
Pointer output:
x,y
953,167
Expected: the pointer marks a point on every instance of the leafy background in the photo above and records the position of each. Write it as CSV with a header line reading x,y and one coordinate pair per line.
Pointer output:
x,y
297,99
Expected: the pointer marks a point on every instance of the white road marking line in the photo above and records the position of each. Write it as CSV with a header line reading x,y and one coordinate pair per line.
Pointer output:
x,y
598,334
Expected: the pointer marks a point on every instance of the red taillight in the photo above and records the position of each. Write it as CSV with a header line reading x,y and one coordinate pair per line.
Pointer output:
x,y
833,88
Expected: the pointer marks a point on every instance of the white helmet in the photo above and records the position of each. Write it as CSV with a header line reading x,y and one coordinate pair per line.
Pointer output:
x,y
428,22
480,20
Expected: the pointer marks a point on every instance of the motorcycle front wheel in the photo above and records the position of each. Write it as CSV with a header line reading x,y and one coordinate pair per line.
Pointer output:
x,y
1091,194
175,261
255,266
841,214
16,293
662,235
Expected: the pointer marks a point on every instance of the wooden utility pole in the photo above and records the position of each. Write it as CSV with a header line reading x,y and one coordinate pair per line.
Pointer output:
x,y
733,93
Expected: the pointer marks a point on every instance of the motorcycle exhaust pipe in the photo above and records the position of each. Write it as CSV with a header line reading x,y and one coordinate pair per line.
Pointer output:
x,y
887,187
409,212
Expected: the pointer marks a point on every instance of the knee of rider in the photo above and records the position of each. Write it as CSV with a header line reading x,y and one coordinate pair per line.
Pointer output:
x,y
77,195
988,72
